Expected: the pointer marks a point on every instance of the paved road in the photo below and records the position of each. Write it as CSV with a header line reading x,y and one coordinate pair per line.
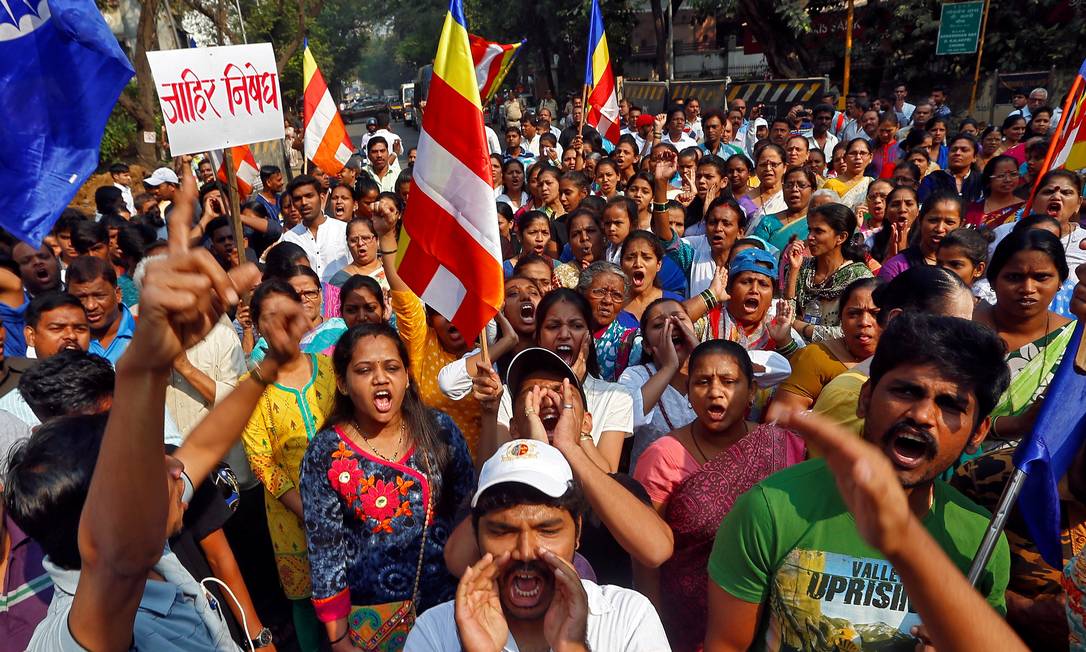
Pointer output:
x,y
409,135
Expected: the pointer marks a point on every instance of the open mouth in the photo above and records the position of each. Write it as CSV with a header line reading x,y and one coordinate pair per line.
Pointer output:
x,y
637,277
1053,208
751,304
525,588
716,411
382,400
565,351
909,448
527,312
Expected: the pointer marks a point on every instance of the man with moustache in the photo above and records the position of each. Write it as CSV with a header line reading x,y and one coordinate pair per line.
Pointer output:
x,y
789,565
528,514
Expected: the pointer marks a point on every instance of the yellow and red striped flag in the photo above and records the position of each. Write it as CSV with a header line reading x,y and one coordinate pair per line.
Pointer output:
x,y
245,168
599,79
1068,146
492,64
449,251
326,142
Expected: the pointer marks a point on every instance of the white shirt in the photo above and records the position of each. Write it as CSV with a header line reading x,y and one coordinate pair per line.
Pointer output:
x,y
694,130
670,412
827,150
906,111
682,143
524,198
220,358
619,620
390,138
126,195
610,405
492,142
327,252
386,183
15,404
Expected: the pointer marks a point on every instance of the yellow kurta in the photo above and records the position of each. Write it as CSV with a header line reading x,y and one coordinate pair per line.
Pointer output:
x,y
427,359
275,440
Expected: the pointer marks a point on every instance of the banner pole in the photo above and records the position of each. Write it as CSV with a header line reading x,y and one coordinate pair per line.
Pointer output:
x,y
235,205
996,525
584,109
980,53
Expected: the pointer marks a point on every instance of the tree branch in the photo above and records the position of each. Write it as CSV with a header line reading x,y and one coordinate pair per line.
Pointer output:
x,y
215,17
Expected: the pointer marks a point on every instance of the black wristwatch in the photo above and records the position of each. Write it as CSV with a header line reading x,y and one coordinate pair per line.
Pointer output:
x,y
263,639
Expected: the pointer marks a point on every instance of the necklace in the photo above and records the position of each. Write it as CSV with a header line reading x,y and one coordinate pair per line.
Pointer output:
x,y
399,442
694,438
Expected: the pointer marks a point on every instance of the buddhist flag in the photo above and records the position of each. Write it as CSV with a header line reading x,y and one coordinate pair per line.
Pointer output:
x,y
449,250
1068,146
326,141
599,79
492,63
245,168
1046,455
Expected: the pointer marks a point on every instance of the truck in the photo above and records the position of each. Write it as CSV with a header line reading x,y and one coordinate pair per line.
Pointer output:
x,y
407,97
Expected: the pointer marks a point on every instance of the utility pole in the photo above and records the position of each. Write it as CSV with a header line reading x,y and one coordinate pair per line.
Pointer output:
x,y
848,55
669,45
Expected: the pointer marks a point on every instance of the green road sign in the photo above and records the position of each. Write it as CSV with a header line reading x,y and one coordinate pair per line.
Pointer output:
x,y
959,27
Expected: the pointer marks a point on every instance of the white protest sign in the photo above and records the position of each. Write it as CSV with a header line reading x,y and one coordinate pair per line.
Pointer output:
x,y
213,98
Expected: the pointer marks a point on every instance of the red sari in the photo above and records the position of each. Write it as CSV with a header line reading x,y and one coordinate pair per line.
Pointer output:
x,y
695,511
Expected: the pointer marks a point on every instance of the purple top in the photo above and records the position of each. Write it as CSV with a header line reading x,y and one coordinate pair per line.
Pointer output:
x,y
893,267
27,589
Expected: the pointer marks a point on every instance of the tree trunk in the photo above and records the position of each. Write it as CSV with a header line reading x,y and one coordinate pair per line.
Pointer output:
x,y
786,55
289,51
142,108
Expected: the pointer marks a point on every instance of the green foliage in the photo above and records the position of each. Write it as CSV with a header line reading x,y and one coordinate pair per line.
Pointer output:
x,y
119,137
896,40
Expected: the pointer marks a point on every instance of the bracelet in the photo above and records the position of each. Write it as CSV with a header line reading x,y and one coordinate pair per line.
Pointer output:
x,y
659,208
259,377
995,433
388,253
709,298
345,632
788,349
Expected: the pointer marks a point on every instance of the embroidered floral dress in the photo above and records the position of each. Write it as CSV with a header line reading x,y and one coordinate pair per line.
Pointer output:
x,y
617,347
275,440
364,517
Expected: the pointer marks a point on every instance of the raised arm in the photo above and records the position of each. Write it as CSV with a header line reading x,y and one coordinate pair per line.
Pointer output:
x,y
122,529
954,614
636,526
664,165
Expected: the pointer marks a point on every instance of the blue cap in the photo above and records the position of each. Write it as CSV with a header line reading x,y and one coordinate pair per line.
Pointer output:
x,y
753,260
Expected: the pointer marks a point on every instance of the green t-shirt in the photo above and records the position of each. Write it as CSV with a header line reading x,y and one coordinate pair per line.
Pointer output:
x,y
791,544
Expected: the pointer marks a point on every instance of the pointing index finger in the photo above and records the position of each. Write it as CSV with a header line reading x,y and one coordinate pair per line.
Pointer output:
x,y
180,218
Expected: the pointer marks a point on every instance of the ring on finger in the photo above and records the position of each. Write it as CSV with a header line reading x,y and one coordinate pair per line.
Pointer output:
x,y
567,406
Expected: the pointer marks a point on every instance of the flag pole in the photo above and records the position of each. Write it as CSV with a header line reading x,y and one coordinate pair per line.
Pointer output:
x,y
980,53
584,109
996,525
235,204
1076,86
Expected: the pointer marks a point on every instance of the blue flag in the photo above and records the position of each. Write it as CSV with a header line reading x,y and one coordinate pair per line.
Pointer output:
x,y
1045,457
61,71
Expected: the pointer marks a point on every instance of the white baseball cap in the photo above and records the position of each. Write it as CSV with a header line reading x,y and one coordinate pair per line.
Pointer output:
x,y
162,175
526,461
